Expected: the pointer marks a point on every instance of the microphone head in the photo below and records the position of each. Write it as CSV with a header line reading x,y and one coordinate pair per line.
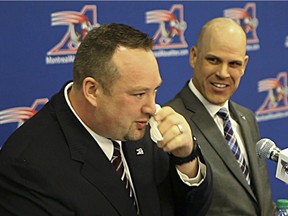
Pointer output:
x,y
264,147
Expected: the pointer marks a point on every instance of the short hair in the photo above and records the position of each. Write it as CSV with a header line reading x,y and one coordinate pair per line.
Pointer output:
x,y
93,58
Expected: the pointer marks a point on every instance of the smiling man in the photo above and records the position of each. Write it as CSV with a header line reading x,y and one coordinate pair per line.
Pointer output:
x,y
227,132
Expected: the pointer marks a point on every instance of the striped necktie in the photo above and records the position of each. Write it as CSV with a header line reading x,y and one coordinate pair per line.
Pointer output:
x,y
232,142
119,166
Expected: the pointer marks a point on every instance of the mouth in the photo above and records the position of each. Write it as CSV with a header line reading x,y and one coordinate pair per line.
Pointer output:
x,y
219,85
141,124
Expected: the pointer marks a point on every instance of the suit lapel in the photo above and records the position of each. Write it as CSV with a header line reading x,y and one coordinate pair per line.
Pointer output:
x,y
206,125
210,131
139,156
99,171
96,168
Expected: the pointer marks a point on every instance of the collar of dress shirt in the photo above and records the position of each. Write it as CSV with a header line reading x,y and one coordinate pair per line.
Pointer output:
x,y
104,143
211,108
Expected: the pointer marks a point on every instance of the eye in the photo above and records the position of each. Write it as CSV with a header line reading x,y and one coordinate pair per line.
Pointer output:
x,y
235,64
212,60
139,95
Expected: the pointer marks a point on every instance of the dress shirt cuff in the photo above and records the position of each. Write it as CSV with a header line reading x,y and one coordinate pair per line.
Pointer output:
x,y
198,179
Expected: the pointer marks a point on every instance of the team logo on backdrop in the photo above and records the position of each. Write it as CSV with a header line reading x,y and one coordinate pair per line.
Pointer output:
x,y
286,42
20,114
170,32
246,17
77,25
275,104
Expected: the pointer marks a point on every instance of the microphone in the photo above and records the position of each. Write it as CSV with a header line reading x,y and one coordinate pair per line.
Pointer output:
x,y
266,148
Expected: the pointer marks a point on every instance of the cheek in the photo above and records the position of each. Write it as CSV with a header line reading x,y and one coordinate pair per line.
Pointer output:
x,y
128,107
236,76
204,73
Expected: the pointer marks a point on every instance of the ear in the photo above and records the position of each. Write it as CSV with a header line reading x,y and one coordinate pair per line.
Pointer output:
x,y
91,89
193,56
246,59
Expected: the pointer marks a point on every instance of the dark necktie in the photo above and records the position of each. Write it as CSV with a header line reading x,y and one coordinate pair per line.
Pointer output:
x,y
232,142
118,164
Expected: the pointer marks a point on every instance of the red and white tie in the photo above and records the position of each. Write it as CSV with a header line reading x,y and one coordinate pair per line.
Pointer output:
x,y
119,166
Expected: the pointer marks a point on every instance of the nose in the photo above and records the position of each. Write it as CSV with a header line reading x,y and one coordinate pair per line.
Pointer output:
x,y
223,71
149,106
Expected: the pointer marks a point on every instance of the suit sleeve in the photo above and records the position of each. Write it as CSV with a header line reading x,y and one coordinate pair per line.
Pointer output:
x,y
20,189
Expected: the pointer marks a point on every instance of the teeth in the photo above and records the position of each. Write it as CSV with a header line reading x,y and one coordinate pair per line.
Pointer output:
x,y
219,85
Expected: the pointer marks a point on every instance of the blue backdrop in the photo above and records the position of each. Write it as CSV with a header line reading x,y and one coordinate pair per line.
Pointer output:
x,y
39,40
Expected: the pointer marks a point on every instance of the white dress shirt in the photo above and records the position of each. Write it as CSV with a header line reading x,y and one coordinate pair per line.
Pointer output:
x,y
107,147
213,109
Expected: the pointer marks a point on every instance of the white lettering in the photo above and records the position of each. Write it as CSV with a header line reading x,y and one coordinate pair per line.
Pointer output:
x,y
252,47
60,59
171,53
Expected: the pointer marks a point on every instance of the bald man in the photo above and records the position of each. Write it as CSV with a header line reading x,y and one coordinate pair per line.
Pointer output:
x,y
240,180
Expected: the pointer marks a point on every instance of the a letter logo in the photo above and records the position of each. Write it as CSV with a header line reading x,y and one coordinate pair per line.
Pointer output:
x,y
275,104
246,17
78,24
170,33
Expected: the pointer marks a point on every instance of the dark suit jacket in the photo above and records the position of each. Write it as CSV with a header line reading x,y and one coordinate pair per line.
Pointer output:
x,y
52,166
231,193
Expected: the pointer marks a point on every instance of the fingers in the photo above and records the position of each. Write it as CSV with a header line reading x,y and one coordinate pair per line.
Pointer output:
x,y
168,118
163,113
176,144
180,127
176,132
170,136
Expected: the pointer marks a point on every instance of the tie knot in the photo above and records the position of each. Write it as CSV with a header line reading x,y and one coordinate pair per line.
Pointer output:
x,y
116,144
116,148
223,113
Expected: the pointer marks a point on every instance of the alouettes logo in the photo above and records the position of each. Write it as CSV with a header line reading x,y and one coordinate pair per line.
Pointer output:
x,y
78,24
171,27
20,114
246,17
275,104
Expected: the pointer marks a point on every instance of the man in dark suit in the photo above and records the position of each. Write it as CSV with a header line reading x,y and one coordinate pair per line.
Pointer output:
x,y
61,161
219,60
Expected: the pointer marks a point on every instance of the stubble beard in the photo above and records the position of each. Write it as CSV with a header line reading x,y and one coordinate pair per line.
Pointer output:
x,y
135,134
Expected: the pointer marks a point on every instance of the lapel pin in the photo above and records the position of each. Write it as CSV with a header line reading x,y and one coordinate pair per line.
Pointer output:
x,y
243,117
139,151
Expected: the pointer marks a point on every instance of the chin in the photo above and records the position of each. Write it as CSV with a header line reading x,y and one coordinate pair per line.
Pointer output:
x,y
217,102
139,134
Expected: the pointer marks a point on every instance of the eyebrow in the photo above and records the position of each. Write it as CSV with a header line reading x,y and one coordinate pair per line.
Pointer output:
x,y
219,58
140,88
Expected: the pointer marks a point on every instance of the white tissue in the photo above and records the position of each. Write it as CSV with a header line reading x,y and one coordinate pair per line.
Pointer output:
x,y
154,132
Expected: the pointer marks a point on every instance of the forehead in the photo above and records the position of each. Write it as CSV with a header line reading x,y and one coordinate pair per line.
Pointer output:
x,y
227,42
137,67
